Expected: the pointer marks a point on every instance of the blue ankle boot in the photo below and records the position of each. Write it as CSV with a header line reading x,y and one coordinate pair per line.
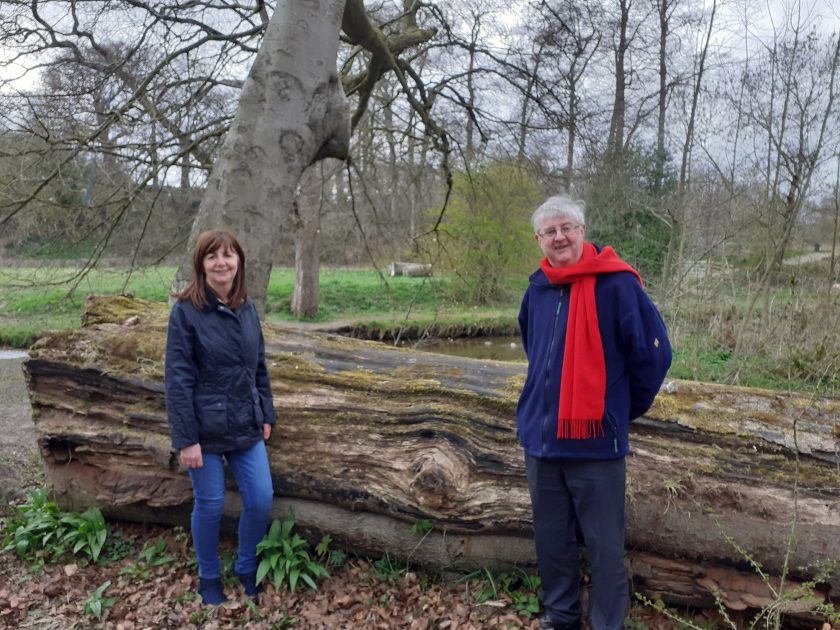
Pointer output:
x,y
211,591
249,583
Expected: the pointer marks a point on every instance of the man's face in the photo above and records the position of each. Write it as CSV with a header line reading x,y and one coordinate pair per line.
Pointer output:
x,y
561,240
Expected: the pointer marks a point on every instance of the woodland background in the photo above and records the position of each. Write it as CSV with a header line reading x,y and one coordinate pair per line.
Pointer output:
x,y
702,136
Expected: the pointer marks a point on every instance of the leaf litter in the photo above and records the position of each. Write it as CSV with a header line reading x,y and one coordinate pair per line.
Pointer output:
x,y
54,595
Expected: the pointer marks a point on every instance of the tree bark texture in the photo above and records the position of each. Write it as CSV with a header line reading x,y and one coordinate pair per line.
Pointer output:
x,y
615,140
372,439
292,112
306,296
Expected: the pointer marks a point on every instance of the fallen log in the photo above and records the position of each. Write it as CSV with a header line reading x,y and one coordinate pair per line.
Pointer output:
x,y
409,269
372,439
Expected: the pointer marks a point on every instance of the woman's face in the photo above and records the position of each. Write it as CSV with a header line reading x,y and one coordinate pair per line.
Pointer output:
x,y
220,267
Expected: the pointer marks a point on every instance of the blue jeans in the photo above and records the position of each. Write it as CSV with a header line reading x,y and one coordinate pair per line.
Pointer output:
x,y
591,493
253,477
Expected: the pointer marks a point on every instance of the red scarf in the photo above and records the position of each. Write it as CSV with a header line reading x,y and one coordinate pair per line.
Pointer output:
x,y
583,383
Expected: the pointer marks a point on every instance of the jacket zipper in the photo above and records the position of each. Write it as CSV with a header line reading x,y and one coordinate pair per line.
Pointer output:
x,y
614,428
548,371
240,342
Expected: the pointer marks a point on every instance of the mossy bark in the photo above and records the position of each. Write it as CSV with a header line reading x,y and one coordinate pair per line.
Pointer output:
x,y
371,439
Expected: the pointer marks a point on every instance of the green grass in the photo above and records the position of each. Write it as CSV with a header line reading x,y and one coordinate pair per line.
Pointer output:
x,y
34,300
713,366
350,294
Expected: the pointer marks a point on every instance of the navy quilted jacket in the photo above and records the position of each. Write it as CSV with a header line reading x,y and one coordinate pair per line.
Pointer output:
x,y
637,354
217,387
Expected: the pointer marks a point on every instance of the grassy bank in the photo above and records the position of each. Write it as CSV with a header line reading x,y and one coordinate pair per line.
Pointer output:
x,y
789,344
36,300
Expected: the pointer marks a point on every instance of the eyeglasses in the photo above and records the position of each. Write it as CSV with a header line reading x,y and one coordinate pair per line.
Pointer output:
x,y
566,229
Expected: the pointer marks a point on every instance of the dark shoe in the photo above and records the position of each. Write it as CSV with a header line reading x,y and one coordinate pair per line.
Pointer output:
x,y
249,583
211,591
547,623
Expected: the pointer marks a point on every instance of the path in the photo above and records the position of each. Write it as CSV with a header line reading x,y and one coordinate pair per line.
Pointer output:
x,y
807,258
20,465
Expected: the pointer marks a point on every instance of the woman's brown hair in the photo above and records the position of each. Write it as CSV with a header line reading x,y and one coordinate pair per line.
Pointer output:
x,y
208,242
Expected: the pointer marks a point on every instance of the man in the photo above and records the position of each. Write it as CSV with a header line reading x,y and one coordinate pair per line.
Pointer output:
x,y
597,354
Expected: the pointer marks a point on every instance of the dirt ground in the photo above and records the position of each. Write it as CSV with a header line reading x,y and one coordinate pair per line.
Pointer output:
x,y
20,465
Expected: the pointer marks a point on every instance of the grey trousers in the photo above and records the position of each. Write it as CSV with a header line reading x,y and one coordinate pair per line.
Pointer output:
x,y
591,493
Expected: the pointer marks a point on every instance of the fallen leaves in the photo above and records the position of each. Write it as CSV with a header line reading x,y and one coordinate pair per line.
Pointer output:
x,y
53,596
353,598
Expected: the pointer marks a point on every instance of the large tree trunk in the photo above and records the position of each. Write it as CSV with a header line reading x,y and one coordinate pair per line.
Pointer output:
x,y
306,295
370,439
615,139
292,112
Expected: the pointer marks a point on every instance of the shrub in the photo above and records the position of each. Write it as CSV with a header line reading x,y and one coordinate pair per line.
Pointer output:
x,y
485,237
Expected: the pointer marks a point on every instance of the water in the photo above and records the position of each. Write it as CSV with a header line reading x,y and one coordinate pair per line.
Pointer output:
x,y
12,354
496,348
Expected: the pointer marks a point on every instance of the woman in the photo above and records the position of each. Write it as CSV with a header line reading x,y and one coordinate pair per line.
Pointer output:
x,y
218,401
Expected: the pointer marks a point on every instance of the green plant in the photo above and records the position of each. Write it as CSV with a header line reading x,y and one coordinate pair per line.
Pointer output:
x,y
422,527
35,526
657,604
97,603
227,559
521,589
187,596
156,555
152,555
284,557
117,547
525,604
86,532
203,615
635,624
488,589
337,558
387,569
40,527
333,557
180,534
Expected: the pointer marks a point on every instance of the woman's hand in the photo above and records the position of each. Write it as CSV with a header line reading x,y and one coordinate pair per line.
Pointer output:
x,y
190,457
266,431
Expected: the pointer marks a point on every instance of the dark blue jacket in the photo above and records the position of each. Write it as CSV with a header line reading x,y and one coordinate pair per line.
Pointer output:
x,y
637,355
217,388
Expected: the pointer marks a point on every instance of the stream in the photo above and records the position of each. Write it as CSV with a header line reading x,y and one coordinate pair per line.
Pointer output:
x,y
496,348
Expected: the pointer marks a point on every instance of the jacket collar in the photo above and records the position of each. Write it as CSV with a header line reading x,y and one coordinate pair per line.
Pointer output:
x,y
539,278
213,301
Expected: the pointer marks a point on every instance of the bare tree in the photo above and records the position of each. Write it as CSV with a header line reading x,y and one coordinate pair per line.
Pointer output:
x,y
573,34
801,70
615,141
148,111
141,111
677,212
832,278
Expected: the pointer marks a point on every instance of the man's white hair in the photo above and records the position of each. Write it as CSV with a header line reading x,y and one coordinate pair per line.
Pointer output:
x,y
558,206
